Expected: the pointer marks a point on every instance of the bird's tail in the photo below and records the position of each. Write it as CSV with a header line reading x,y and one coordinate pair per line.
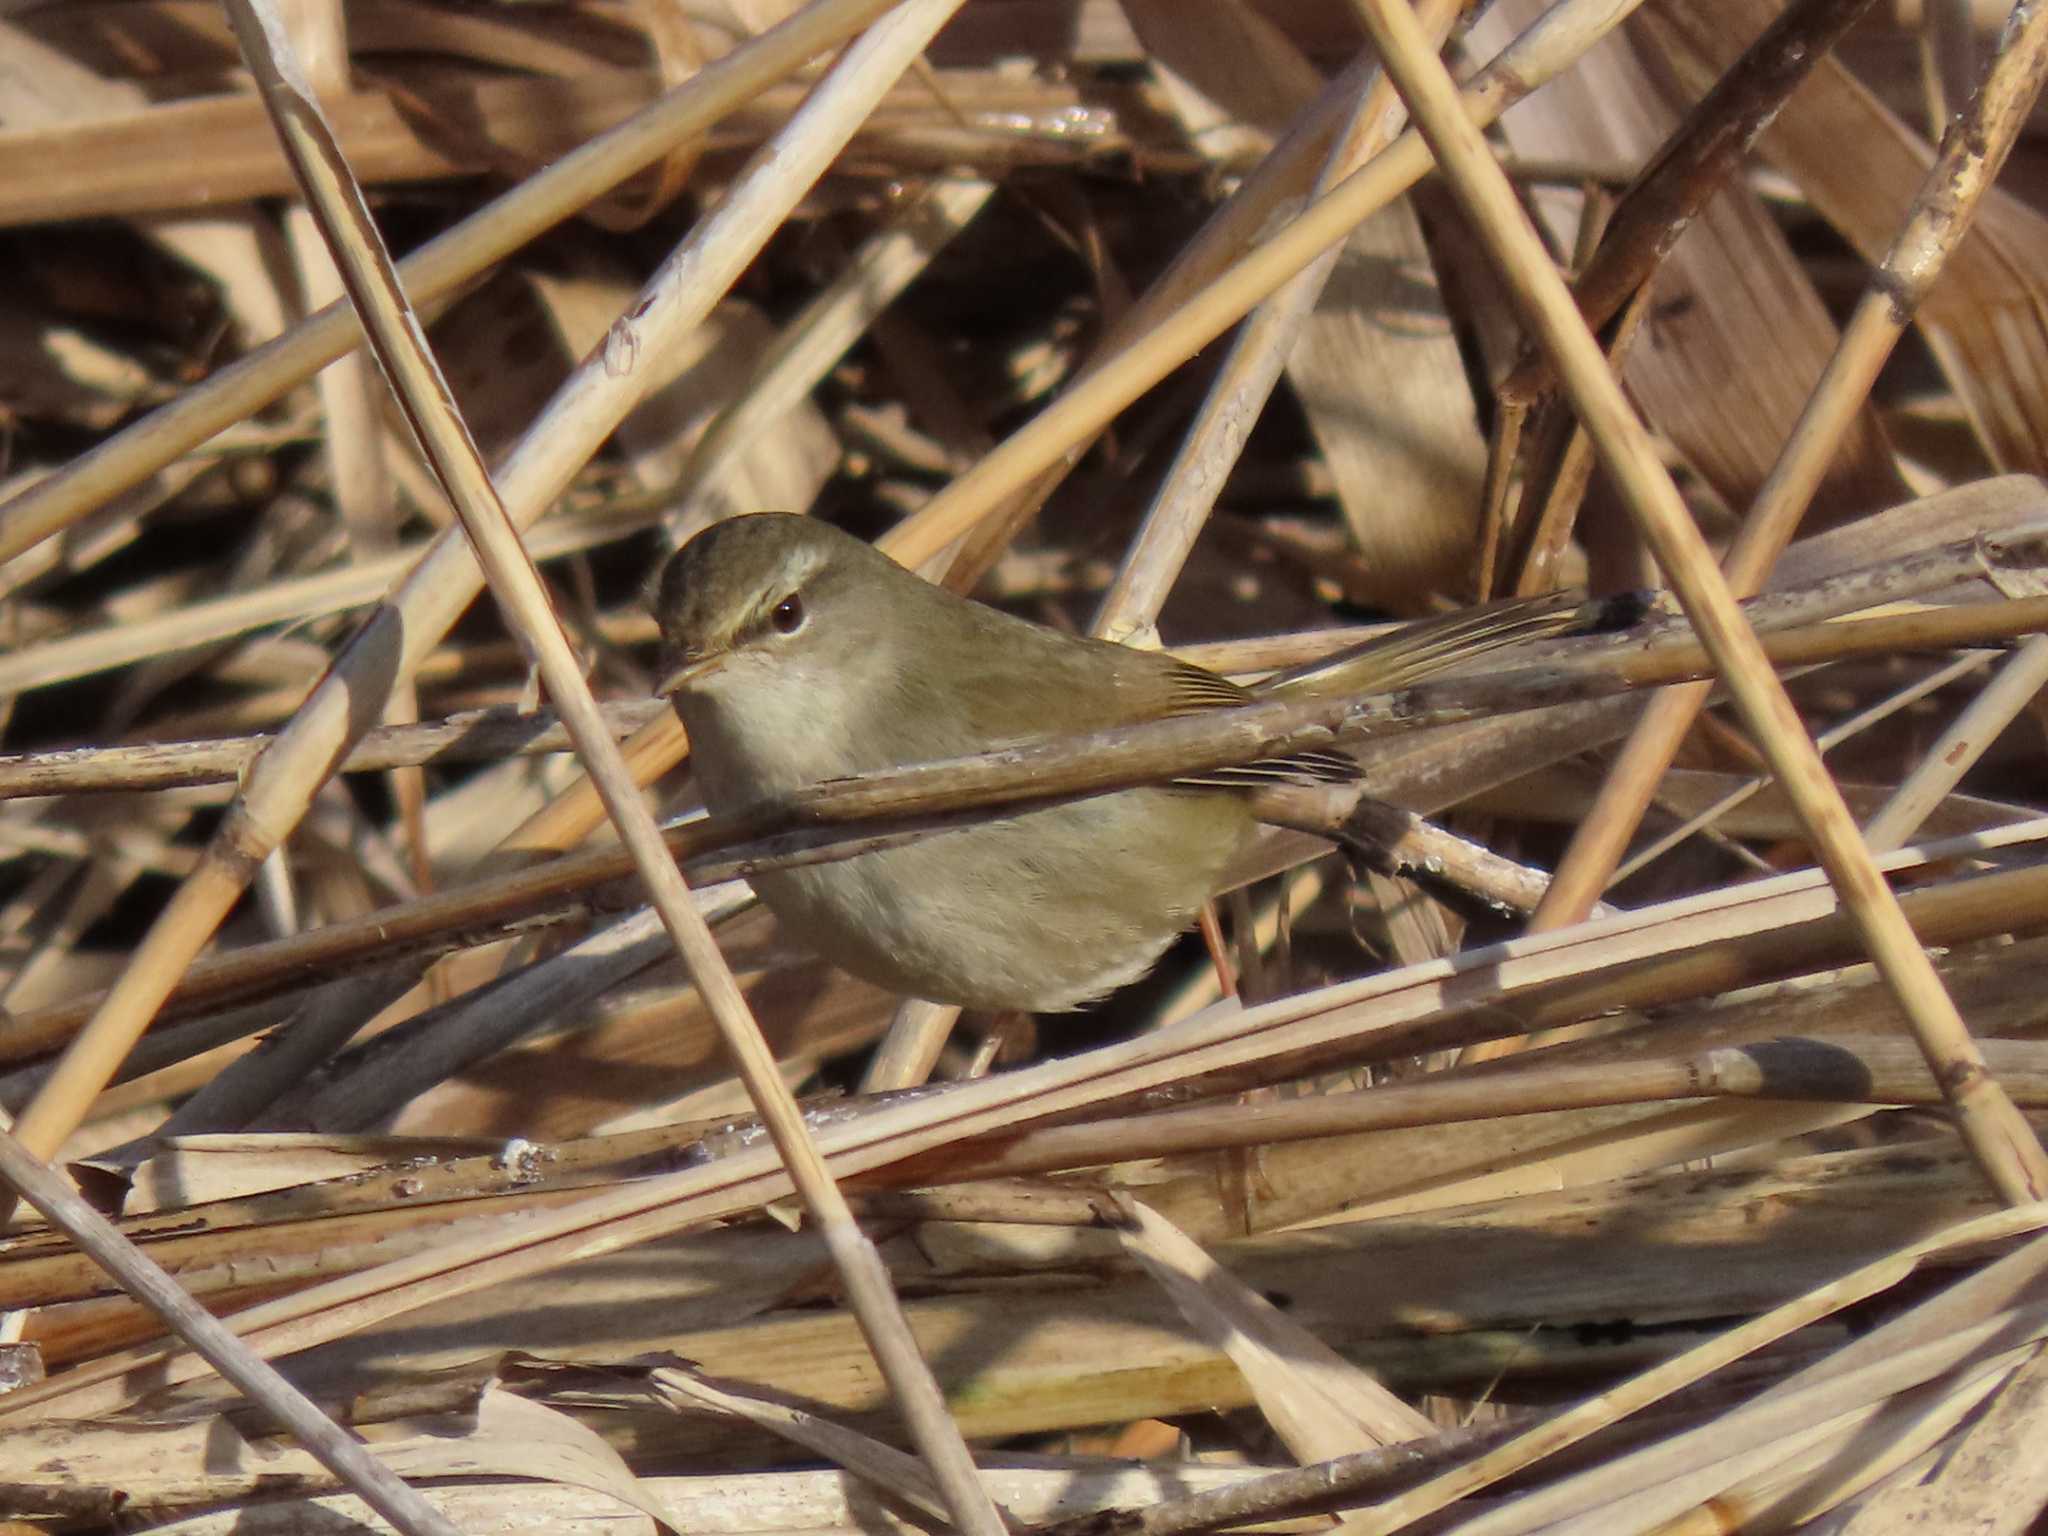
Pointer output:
x,y
1433,647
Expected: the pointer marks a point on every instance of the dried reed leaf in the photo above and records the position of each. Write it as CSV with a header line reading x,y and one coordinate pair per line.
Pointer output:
x,y
1379,375
1737,335
1988,1478
1316,1401
1861,166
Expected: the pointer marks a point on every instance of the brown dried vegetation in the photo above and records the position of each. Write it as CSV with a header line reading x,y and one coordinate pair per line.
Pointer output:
x,y
1691,1190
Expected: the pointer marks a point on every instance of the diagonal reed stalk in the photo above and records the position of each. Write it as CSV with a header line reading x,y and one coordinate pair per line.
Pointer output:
x,y
1974,148
399,342
1999,1136
138,1274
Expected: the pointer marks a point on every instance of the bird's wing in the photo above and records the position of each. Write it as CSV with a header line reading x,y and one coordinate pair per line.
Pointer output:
x,y
1193,690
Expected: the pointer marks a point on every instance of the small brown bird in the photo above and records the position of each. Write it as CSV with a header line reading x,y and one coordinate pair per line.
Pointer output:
x,y
796,653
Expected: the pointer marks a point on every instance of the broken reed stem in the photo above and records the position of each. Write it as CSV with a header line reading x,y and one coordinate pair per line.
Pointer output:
x,y
1999,1136
434,271
1393,841
847,817
1837,1070
910,1048
139,1275
1696,161
1964,169
400,345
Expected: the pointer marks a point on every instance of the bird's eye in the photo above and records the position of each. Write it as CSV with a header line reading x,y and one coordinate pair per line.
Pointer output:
x,y
788,615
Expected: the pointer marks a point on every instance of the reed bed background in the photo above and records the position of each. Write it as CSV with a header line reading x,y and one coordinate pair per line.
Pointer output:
x,y
1618,1111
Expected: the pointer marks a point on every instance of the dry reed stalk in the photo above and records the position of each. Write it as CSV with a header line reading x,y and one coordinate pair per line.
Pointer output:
x,y
476,736
883,1466
399,343
1833,1465
1965,169
1698,160
893,804
814,341
1319,1403
233,393
1817,1427
1825,740
336,1449
1985,1475
1713,276
199,623
359,1097
1961,745
767,1503
2006,1145
351,397
1846,1070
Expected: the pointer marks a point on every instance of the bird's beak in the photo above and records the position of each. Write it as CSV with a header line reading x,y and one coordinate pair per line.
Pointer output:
x,y
686,671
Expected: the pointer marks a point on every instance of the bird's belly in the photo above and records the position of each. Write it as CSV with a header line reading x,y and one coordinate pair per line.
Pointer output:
x,y
1042,912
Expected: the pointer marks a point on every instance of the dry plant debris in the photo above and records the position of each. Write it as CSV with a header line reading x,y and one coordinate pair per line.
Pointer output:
x,y
1690,1191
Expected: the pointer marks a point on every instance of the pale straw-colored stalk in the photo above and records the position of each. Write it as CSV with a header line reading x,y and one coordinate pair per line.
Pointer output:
x,y
2003,1142
399,341
1967,165
139,1275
